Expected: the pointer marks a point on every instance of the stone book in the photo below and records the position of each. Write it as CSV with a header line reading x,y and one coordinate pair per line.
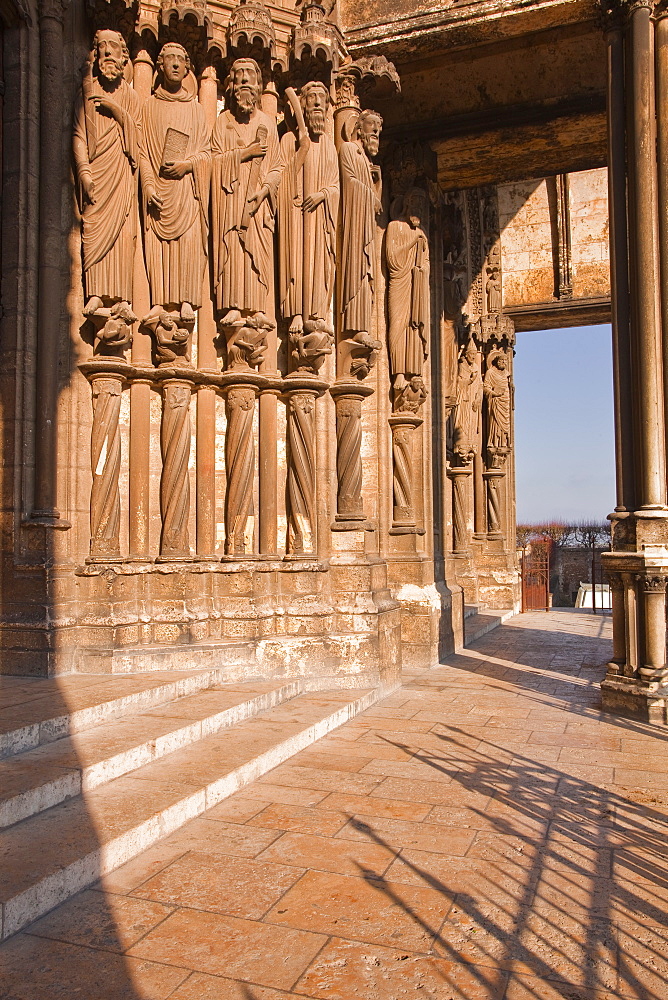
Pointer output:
x,y
176,144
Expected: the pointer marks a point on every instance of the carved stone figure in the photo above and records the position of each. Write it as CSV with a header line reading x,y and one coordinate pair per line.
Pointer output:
x,y
308,204
172,337
113,329
311,346
360,196
468,400
407,256
411,398
247,342
246,172
493,290
496,387
175,175
106,156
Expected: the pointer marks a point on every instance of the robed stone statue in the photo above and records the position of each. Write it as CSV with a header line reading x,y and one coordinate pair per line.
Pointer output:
x,y
246,172
407,257
175,175
496,387
308,204
360,198
468,402
106,156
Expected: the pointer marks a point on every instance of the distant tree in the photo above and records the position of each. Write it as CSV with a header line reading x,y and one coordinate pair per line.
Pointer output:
x,y
558,532
524,533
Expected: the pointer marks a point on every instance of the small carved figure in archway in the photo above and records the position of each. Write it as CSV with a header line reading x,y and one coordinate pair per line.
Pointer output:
x,y
468,400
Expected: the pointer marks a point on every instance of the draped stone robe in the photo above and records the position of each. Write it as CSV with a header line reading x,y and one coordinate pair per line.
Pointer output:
x,y
358,257
242,258
497,393
111,152
316,260
408,297
176,236
466,417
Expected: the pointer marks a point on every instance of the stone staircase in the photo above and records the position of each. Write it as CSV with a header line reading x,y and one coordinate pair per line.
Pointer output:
x,y
96,770
478,623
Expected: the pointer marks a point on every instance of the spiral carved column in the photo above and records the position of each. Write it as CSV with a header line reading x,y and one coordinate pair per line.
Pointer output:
x,y
175,438
348,399
240,466
105,456
460,478
403,472
494,478
301,472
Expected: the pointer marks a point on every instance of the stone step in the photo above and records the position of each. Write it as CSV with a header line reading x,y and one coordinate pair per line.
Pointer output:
x,y
39,779
49,857
481,623
36,710
470,610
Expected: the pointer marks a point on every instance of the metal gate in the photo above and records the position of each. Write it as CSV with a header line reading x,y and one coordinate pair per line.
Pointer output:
x,y
536,576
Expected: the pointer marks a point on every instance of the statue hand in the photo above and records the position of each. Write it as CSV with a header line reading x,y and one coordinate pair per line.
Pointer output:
x,y
311,202
256,200
106,104
174,171
153,198
258,148
88,188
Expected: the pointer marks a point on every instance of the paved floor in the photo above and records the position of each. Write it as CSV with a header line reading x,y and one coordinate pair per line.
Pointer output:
x,y
486,832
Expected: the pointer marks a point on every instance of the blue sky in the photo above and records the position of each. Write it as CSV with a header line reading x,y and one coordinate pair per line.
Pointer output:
x,y
564,424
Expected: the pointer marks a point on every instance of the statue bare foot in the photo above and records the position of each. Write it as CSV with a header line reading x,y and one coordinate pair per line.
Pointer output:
x,y
187,313
231,318
94,303
297,324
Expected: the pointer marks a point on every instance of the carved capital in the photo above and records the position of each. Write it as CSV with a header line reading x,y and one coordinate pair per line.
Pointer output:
x,y
653,584
616,582
53,9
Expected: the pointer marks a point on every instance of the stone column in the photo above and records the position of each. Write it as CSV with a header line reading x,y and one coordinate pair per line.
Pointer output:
x,y
105,457
653,667
348,401
239,465
175,434
207,360
461,477
403,473
301,481
494,481
51,17
140,389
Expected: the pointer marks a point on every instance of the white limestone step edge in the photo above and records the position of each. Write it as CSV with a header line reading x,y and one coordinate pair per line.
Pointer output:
x,y
75,780
60,885
483,622
46,730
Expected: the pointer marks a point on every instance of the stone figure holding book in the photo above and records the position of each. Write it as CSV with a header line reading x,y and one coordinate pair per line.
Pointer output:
x,y
246,172
175,175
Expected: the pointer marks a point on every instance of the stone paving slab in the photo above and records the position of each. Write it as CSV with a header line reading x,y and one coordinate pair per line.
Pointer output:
x,y
484,833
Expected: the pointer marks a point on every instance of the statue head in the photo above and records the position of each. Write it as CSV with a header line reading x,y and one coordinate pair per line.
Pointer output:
x,y
367,131
243,87
111,55
471,353
415,207
417,383
499,361
314,98
173,65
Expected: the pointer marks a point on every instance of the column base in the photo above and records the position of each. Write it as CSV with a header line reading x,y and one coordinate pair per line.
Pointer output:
x,y
634,699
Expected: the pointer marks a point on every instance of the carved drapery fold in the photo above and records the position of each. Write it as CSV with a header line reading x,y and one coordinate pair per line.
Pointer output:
x,y
175,481
105,456
240,467
301,473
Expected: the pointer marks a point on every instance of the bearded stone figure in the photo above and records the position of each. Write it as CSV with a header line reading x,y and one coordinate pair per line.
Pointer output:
x,y
496,387
468,400
106,156
246,173
360,197
308,204
175,175
407,256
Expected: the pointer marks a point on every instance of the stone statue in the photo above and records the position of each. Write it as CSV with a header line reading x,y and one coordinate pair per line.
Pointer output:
x,y
308,204
360,196
172,338
407,256
246,173
493,290
247,342
175,175
311,346
468,399
412,396
106,156
496,387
